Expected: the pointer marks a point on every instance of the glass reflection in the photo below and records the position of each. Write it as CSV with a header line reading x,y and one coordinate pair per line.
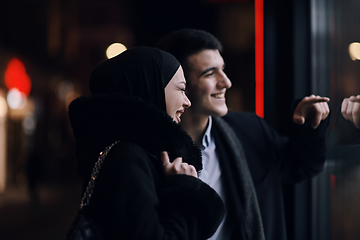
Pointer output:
x,y
337,190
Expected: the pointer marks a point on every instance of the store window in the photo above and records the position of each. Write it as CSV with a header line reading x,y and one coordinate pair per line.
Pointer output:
x,y
335,70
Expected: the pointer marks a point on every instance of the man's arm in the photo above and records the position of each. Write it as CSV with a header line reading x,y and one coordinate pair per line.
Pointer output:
x,y
305,152
297,156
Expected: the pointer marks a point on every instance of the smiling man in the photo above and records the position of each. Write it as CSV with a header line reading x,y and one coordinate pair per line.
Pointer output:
x,y
207,88
244,159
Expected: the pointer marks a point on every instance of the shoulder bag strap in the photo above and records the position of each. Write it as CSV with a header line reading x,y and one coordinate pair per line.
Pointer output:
x,y
96,169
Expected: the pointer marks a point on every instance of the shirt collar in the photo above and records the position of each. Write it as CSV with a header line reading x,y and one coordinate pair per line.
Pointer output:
x,y
207,136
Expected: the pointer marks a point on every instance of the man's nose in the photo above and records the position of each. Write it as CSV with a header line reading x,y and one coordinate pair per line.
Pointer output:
x,y
224,81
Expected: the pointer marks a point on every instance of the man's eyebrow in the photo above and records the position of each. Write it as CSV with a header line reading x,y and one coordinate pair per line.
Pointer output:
x,y
208,70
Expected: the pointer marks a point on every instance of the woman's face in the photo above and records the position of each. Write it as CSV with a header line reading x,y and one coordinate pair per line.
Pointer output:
x,y
175,98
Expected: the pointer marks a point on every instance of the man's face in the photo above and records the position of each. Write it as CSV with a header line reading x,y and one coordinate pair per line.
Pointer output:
x,y
207,83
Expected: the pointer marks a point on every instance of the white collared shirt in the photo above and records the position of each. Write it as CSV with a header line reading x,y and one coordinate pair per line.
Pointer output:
x,y
211,172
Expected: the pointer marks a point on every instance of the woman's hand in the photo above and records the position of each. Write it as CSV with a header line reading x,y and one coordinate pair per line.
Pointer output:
x,y
177,166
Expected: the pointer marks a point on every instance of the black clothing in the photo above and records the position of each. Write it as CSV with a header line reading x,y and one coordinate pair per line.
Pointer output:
x,y
273,160
132,199
244,195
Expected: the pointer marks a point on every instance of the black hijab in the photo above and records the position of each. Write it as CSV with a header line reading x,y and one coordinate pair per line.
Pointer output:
x,y
134,80
143,72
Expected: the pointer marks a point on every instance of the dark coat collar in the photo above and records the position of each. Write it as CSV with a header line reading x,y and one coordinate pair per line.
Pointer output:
x,y
97,121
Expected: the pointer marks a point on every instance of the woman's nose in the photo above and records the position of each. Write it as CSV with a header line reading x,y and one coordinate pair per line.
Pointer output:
x,y
187,102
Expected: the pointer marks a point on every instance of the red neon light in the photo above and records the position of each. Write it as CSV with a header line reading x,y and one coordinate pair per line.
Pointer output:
x,y
16,77
259,57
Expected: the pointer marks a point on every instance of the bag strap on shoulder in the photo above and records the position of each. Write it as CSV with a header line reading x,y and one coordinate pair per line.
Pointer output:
x,y
96,169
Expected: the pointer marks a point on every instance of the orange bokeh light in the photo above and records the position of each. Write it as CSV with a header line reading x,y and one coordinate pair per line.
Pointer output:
x,y
16,77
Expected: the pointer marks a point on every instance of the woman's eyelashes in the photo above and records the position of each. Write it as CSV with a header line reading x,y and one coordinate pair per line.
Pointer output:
x,y
182,87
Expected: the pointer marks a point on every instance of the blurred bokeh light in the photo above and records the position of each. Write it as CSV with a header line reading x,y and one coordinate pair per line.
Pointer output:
x,y
354,51
115,49
16,99
3,107
16,77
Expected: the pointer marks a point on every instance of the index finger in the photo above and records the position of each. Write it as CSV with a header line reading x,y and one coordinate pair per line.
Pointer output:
x,y
316,99
355,99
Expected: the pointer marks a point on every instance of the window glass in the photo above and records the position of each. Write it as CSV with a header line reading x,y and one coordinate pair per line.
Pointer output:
x,y
336,73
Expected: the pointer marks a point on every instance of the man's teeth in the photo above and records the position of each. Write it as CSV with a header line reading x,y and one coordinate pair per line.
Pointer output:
x,y
178,115
221,95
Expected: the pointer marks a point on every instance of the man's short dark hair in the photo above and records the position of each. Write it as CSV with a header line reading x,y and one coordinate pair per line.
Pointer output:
x,y
186,42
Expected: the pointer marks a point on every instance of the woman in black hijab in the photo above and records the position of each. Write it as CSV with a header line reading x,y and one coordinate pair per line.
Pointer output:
x,y
147,187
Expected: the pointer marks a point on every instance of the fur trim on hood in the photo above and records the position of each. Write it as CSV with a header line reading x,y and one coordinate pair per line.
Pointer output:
x,y
99,120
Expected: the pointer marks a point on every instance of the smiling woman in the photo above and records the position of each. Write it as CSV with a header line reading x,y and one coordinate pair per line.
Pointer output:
x,y
176,100
147,187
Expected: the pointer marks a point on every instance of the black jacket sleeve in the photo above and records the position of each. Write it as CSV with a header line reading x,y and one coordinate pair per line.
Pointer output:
x,y
302,154
133,201
296,157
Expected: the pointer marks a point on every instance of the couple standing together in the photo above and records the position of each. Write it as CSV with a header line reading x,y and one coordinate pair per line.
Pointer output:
x,y
181,172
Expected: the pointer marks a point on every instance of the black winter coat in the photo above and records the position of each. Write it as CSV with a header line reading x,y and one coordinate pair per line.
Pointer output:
x,y
132,199
273,161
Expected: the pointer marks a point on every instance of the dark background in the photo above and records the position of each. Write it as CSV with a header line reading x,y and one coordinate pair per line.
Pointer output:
x,y
61,41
